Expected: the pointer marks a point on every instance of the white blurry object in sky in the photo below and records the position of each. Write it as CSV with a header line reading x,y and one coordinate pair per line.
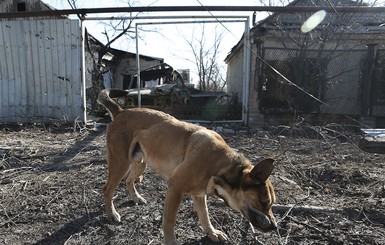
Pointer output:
x,y
313,21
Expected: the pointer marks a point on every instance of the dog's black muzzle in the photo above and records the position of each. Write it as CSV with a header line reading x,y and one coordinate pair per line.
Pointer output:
x,y
259,220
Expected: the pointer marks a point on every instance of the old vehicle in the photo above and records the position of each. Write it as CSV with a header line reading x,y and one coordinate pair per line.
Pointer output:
x,y
165,89
160,87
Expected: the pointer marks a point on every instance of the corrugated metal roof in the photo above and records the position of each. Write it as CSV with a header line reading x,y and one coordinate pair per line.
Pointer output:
x,y
30,5
351,23
356,22
40,70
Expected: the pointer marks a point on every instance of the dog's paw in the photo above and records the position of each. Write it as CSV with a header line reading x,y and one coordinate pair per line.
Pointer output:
x,y
217,236
139,200
171,242
114,217
139,179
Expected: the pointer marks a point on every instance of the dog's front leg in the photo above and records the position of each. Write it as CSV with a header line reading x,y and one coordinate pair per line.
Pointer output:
x,y
204,220
171,206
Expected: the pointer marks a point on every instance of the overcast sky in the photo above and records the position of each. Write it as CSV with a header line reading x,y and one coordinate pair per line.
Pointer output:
x,y
168,41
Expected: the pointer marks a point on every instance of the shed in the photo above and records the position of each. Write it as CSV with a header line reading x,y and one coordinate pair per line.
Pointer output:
x,y
120,65
337,68
123,66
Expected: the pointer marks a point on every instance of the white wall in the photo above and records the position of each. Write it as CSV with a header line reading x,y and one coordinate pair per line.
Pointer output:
x,y
234,75
40,70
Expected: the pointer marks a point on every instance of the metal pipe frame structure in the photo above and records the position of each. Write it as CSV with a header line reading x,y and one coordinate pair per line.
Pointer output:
x,y
247,51
218,19
222,17
83,69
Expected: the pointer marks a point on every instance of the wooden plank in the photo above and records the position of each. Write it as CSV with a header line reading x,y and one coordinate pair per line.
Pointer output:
x,y
373,141
373,145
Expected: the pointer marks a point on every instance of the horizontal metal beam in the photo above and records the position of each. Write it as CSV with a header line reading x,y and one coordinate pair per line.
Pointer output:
x,y
188,22
159,17
287,9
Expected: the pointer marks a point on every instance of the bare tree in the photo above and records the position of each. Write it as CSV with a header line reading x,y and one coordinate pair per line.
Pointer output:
x,y
205,52
113,30
97,58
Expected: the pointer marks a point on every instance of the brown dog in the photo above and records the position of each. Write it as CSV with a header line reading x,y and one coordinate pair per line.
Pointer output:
x,y
192,159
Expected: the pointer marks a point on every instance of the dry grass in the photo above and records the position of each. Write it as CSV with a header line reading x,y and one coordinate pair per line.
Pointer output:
x,y
329,191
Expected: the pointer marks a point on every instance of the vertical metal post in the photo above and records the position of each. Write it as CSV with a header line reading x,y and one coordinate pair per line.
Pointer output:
x,y
367,83
83,68
246,72
138,67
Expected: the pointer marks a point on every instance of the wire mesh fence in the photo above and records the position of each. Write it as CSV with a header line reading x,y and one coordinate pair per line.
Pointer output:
x,y
378,95
332,76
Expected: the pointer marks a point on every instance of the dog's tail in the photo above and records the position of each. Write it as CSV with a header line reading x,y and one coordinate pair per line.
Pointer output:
x,y
105,100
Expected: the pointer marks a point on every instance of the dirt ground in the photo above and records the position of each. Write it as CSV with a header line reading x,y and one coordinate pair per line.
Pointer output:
x,y
328,190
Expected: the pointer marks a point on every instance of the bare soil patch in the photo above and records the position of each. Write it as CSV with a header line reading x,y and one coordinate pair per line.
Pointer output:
x,y
328,191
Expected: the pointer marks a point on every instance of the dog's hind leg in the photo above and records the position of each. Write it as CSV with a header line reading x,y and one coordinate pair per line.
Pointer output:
x,y
134,173
117,168
204,220
137,167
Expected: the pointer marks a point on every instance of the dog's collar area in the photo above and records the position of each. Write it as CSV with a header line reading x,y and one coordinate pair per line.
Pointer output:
x,y
221,197
233,184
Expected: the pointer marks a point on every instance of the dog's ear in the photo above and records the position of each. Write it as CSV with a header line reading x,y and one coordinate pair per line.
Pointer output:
x,y
262,170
